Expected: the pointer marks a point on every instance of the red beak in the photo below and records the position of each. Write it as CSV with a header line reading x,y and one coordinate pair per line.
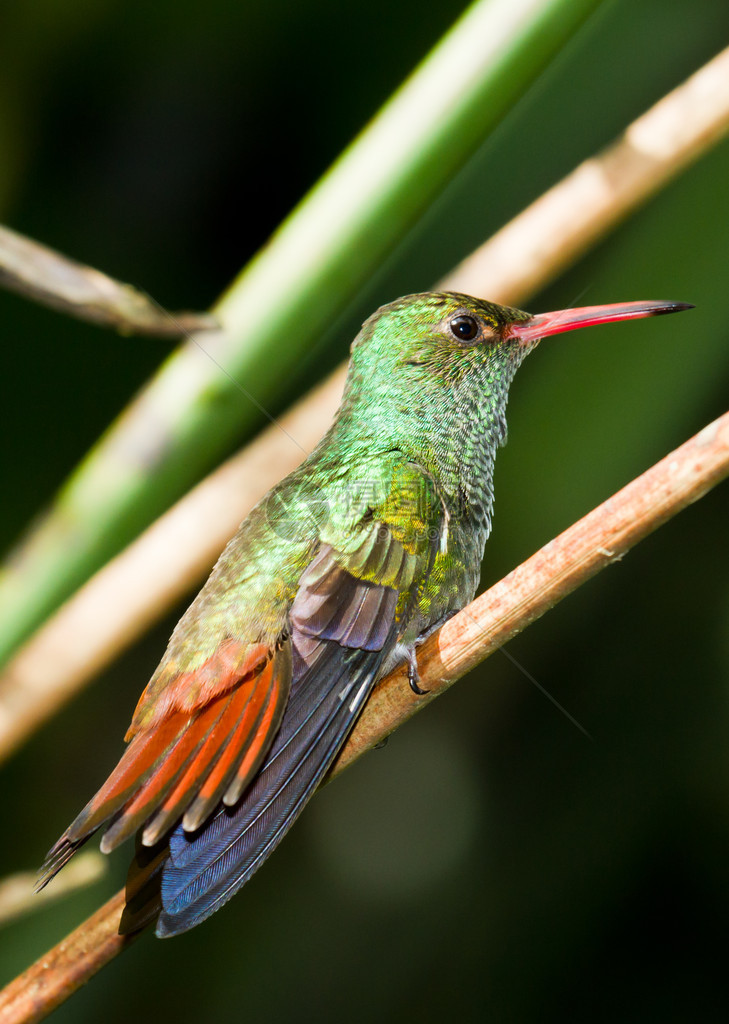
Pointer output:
x,y
544,324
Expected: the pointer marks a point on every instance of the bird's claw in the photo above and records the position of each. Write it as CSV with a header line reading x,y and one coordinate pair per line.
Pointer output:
x,y
414,676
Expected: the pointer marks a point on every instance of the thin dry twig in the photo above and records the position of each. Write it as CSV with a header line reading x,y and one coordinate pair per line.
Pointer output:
x,y
55,280
600,538
133,590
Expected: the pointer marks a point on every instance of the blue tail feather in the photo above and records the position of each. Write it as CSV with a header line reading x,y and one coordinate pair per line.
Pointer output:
x,y
205,869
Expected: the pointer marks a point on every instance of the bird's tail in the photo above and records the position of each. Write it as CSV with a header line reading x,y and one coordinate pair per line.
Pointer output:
x,y
206,868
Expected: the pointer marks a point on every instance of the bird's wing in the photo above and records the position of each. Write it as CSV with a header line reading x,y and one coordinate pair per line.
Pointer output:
x,y
351,607
205,723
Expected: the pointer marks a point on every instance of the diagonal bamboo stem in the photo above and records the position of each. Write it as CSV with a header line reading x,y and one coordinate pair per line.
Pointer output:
x,y
330,245
602,537
133,590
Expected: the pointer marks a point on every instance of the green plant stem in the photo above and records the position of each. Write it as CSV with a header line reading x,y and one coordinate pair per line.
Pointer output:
x,y
193,409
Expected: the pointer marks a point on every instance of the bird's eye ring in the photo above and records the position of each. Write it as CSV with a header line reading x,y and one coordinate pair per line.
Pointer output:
x,y
463,327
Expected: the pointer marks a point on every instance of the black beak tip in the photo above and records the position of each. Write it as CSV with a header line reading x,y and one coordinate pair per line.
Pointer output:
x,y
672,307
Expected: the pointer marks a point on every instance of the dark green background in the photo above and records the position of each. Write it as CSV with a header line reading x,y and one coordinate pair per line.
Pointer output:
x,y
490,863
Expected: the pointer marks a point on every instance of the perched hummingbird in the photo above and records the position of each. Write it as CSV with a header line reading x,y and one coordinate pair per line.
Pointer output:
x,y
333,579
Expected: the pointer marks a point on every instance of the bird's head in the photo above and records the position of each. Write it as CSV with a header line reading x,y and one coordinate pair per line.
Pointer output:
x,y
436,340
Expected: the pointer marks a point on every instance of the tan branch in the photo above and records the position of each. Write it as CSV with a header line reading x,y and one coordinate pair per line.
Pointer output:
x,y
133,590
597,540
17,892
51,980
603,536
141,583
571,217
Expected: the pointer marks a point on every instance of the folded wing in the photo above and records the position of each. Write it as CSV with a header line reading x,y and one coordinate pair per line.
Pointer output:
x,y
350,610
222,757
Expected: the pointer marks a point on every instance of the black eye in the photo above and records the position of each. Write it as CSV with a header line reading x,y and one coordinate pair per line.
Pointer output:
x,y
465,328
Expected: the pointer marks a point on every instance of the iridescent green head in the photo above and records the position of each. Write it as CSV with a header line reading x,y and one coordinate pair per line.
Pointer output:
x,y
434,337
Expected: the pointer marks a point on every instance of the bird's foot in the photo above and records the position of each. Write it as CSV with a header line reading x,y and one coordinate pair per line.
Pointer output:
x,y
413,674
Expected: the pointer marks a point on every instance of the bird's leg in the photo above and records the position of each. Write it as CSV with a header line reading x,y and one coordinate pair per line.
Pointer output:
x,y
413,674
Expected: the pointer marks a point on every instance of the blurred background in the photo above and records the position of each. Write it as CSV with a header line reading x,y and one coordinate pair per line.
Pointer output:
x,y
490,862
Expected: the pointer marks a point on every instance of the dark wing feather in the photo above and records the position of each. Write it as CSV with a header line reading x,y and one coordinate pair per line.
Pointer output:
x,y
342,628
333,604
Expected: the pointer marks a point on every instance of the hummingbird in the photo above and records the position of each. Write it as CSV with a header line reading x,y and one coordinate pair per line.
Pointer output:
x,y
333,579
